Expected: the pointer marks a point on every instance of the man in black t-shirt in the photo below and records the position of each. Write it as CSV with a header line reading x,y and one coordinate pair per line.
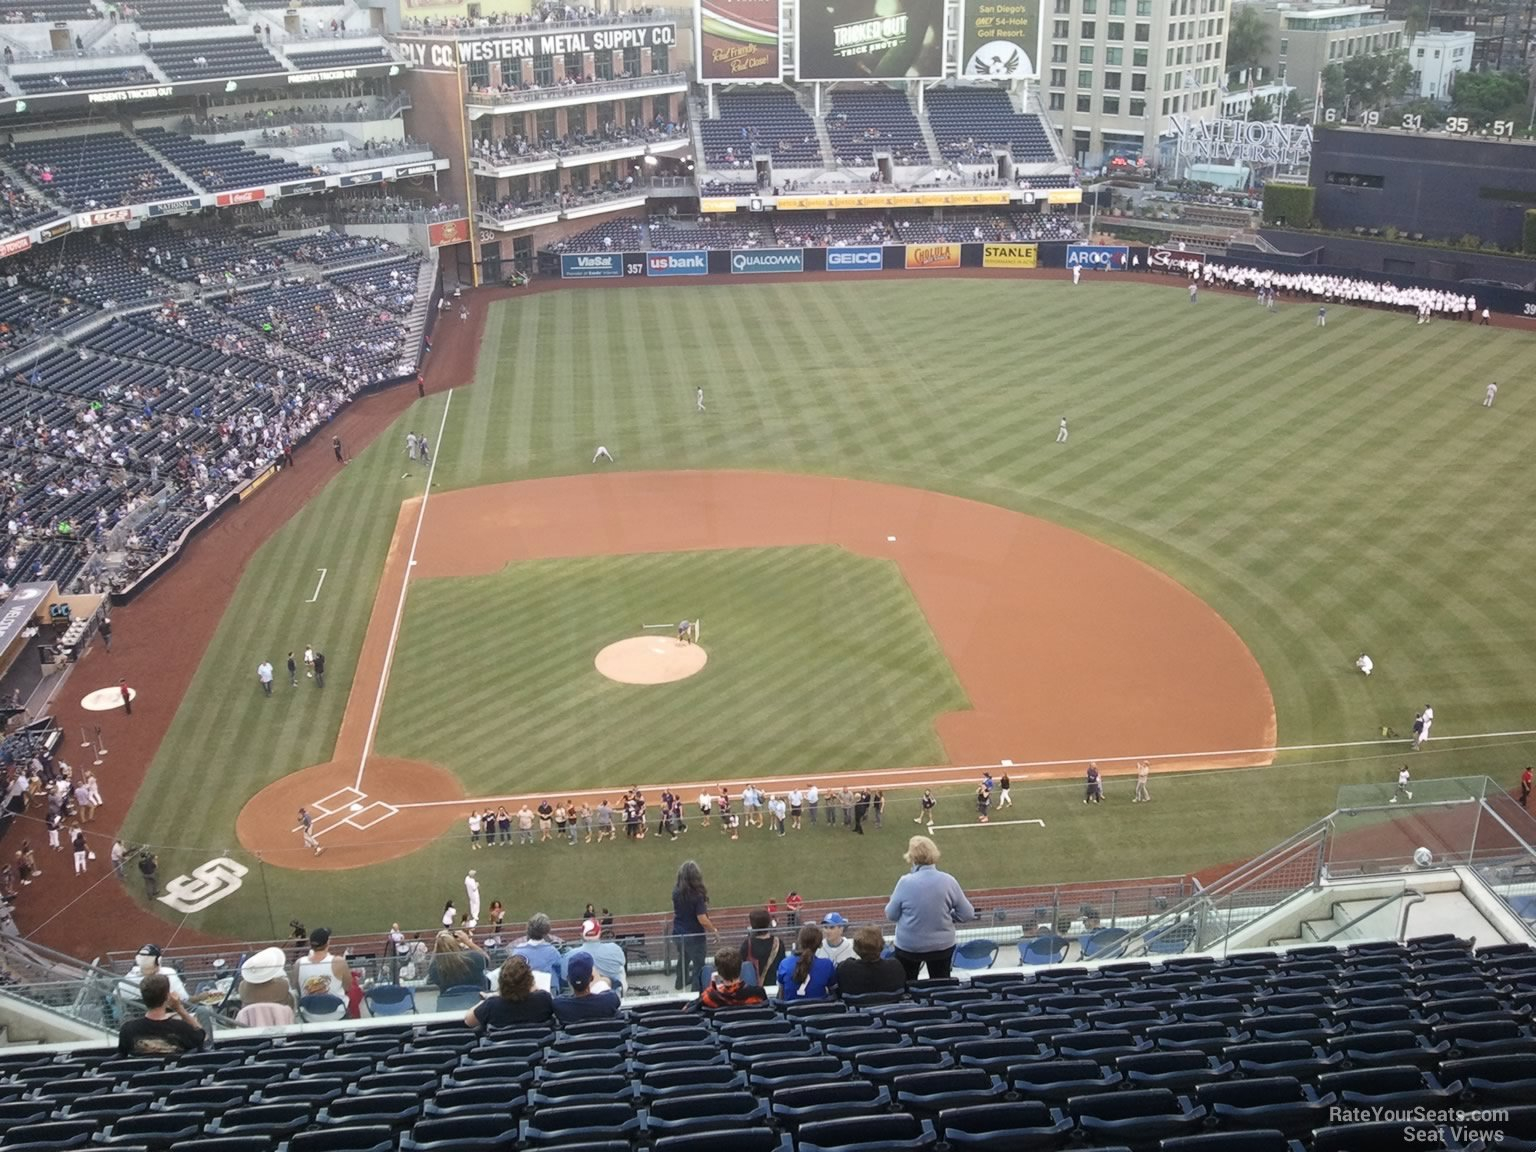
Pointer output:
x,y
165,1029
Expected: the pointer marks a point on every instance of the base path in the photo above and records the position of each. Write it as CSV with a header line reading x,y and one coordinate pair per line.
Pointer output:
x,y
1067,648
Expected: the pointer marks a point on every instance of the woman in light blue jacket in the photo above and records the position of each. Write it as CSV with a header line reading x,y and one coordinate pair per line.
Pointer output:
x,y
926,906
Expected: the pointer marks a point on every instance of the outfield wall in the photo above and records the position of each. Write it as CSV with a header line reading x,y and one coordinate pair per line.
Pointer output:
x,y
917,259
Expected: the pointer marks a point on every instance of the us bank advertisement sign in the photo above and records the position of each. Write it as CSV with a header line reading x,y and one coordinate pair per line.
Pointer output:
x,y
861,259
1000,41
870,39
677,264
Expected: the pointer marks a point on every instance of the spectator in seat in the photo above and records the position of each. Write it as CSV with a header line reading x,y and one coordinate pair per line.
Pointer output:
x,y
146,964
457,961
319,973
266,1000
805,975
539,946
590,998
165,1029
761,946
607,957
866,972
834,946
726,988
516,1001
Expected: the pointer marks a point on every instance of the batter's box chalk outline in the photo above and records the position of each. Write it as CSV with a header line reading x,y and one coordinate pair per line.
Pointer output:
x,y
364,820
337,800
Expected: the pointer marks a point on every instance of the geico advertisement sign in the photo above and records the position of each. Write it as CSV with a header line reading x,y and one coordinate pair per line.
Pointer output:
x,y
769,260
1009,256
1097,255
855,259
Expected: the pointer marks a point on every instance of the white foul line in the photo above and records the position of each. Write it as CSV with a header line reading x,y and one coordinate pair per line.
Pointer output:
x,y
318,585
953,771
988,824
405,583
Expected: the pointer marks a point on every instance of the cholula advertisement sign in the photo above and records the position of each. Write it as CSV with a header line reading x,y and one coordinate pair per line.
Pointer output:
x,y
738,40
1000,40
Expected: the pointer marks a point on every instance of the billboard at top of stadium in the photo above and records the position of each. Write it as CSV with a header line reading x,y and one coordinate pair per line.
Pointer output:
x,y
869,39
739,40
1000,39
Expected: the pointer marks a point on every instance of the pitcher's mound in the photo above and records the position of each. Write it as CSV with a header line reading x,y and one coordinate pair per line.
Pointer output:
x,y
650,660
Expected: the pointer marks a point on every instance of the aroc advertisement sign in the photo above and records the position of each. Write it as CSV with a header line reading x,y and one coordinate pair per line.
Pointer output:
x,y
870,39
1105,256
738,40
1000,40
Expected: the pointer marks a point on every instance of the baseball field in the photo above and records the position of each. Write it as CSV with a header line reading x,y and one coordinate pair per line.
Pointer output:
x,y
900,577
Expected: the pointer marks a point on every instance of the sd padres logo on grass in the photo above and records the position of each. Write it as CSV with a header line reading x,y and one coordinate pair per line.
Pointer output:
x,y
209,883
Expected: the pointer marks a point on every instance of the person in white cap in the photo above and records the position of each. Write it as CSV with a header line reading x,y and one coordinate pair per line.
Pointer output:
x,y
607,957
472,891
834,946
266,999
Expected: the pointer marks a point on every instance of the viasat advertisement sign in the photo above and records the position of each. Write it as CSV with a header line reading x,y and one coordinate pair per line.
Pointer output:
x,y
591,265
860,259
768,260
921,256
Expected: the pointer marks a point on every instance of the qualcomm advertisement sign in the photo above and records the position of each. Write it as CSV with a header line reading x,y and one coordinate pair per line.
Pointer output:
x,y
677,264
1097,255
583,266
769,260
855,259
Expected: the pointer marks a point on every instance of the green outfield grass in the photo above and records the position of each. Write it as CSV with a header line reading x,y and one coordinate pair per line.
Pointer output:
x,y
1326,490
798,627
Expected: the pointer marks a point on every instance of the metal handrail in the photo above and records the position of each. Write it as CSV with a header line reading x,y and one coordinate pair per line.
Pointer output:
x,y
1419,898
577,91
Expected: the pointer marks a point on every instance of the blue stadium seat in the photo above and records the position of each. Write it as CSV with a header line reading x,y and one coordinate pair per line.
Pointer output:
x,y
771,1075
493,1096
834,1100
566,1090
1044,950
998,1055
1391,1086
1506,1079
717,1110
687,1080
1104,944
720,1140
1387,1136
453,1133
1177,1071
1282,1103
975,954
321,1007
1012,1126
1260,1140
357,1138
1137,1116
390,1000
925,1094
396,1110
892,1132
459,999
883,1065
562,1125
1055,1081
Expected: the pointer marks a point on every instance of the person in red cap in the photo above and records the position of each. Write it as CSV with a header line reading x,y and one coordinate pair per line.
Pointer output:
x,y
122,686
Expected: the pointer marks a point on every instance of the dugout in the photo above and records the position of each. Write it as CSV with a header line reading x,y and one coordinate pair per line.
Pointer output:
x,y
42,632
